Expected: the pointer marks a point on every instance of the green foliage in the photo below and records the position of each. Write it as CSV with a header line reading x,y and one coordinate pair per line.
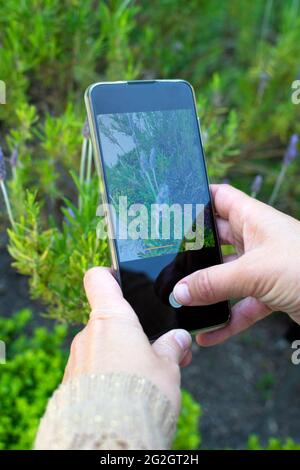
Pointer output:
x,y
273,443
241,62
56,258
219,132
33,369
70,45
266,384
188,436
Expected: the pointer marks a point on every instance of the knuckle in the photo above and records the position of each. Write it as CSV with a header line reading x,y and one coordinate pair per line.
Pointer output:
x,y
89,274
168,350
75,343
204,288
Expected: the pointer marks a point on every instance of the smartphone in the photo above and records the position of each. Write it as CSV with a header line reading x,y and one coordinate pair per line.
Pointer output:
x,y
155,192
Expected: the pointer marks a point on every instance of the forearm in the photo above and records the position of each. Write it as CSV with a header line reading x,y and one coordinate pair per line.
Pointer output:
x,y
107,411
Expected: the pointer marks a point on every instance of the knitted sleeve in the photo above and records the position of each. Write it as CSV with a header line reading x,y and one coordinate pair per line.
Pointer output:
x,y
107,411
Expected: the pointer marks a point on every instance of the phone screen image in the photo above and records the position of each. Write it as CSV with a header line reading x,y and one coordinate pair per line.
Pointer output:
x,y
159,202
151,159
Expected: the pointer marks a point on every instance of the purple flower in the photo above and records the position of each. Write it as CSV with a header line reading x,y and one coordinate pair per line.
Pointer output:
x,y
70,215
256,184
144,164
291,152
71,212
263,81
2,166
14,158
152,158
225,181
86,130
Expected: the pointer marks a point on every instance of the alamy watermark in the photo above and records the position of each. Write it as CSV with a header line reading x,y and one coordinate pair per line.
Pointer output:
x,y
2,92
295,358
295,97
153,222
2,352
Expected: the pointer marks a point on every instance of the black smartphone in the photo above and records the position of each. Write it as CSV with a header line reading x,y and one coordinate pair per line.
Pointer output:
x,y
148,152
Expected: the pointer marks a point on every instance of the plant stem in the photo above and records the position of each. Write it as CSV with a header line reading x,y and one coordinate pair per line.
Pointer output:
x,y
89,161
277,185
82,159
82,167
7,203
266,19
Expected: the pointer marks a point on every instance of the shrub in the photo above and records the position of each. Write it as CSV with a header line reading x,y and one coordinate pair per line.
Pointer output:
x,y
34,368
56,258
52,50
188,436
274,443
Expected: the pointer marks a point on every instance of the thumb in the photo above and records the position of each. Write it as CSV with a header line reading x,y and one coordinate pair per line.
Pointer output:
x,y
173,345
214,284
105,296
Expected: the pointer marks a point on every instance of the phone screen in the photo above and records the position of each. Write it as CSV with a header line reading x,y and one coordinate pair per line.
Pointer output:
x,y
159,200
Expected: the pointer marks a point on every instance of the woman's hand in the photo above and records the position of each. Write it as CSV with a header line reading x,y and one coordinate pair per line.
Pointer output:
x,y
265,269
114,341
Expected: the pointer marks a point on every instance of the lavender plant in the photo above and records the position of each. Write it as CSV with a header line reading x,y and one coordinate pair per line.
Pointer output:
x,y
256,185
56,253
289,156
116,39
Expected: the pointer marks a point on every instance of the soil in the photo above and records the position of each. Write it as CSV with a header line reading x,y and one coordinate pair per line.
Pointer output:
x,y
247,385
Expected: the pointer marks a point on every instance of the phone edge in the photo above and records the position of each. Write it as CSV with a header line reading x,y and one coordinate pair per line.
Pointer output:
x,y
220,325
99,168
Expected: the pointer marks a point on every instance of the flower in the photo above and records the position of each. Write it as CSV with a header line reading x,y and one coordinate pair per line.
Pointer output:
x,y
152,158
14,158
256,184
225,181
144,164
71,212
2,166
291,151
86,130
69,215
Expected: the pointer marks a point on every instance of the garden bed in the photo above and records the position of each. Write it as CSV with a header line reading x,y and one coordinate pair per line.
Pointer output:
x,y
247,385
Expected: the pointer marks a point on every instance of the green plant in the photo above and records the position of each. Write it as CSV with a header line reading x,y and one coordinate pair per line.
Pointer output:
x,y
274,443
56,257
241,62
188,436
33,369
266,384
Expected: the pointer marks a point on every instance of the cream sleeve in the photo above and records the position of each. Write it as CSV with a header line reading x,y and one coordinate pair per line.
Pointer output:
x,y
107,411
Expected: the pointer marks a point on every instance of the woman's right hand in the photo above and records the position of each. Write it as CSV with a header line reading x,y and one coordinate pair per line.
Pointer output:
x,y
265,270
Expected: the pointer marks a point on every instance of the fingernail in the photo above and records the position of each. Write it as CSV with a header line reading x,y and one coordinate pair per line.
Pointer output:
x,y
182,294
183,338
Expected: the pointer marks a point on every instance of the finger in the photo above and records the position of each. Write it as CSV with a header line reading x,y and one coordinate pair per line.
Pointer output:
x,y
105,296
214,284
229,258
187,359
228,200
173,345
244,314
224,232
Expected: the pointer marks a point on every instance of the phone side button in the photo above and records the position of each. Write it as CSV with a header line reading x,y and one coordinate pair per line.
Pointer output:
x,y
173,302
